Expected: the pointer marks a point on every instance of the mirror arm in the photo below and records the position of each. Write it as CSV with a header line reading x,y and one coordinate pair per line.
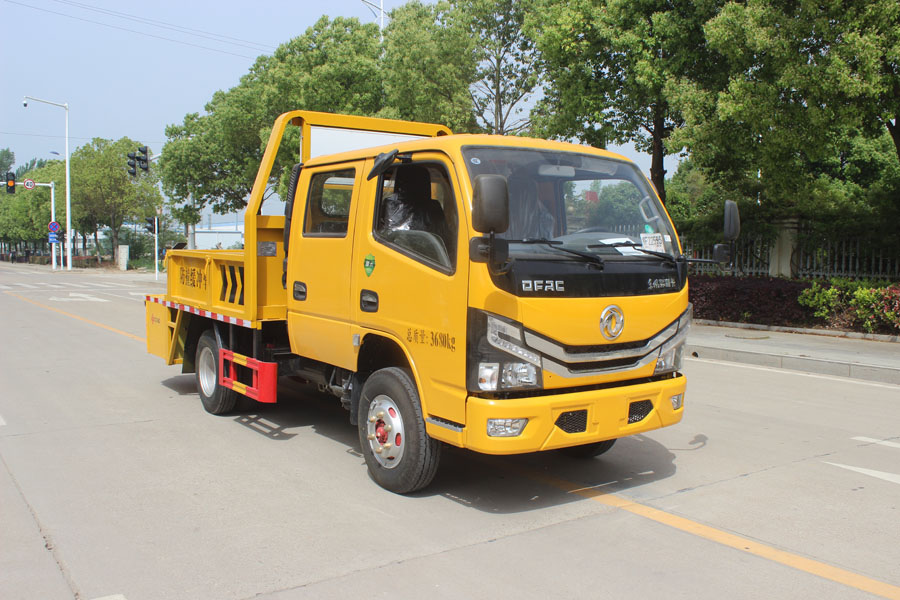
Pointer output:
x,y
500,269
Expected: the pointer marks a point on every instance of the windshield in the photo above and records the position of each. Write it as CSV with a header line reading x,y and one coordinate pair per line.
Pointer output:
x,y
560,202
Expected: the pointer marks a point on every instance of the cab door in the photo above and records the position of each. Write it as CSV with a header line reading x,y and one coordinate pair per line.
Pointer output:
x,y
410,275
319,306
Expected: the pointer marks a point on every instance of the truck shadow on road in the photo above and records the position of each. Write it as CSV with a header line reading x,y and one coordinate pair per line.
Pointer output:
x,y
493,484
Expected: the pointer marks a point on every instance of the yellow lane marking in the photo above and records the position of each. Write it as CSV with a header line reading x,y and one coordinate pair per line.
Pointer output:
x,y
68,314
836,574
848,578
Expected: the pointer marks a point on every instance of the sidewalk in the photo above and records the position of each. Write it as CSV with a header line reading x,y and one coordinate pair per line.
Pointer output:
x,y
868,359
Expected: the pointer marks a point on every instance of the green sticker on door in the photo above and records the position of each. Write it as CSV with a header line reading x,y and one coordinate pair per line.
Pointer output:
x,y
369,264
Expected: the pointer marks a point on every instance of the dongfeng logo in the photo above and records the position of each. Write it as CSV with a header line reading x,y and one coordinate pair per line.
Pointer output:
x,y
612,322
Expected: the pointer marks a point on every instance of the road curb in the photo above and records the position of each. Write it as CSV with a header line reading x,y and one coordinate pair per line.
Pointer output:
x,y
799,363
855,335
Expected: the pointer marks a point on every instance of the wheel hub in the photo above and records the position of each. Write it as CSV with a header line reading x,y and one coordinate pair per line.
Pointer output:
x,y
385,432
207,371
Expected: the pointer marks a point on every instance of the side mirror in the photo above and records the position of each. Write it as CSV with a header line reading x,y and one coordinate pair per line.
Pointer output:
x,y
490,204
732,221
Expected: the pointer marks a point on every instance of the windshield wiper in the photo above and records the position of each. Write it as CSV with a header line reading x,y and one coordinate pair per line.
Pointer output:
x,y
558,245
636,246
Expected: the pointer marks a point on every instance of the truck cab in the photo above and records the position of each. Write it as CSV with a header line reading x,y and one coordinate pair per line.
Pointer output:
x,y
501,294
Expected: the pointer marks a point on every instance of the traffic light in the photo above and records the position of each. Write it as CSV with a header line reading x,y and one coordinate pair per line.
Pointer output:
x,y
10,182
143,159
131,164
151,225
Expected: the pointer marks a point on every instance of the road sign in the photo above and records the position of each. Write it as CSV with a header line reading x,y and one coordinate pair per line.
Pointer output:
x,y
53,226
29,184
53,239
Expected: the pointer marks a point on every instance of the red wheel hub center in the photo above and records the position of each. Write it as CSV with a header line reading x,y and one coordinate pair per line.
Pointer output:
x,y
380,434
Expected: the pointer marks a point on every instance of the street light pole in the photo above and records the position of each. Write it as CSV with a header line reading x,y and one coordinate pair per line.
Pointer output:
x,y
64,105
372,6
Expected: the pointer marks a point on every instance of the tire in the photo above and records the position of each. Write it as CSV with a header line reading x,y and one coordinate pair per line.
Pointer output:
x,y
216,399
589,450
401,457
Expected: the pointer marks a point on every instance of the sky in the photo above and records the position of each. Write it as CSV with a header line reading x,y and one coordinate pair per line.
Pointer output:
x,y
131,69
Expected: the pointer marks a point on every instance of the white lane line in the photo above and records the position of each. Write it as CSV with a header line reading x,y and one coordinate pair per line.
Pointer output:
x,y
850,380
2,422
78,297
879,442
26,285
118,294
113,597
893,478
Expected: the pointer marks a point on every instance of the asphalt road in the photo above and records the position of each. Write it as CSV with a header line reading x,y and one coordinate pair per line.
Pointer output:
x,y
115,484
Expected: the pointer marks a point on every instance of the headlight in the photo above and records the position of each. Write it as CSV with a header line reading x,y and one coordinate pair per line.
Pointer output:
x,y
508,337
498,358
671,355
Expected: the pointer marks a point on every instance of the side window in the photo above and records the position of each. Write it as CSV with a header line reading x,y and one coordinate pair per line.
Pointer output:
x,y
328,203
416,214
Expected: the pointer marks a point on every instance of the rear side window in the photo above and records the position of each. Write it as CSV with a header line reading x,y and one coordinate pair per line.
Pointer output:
x,y
328,204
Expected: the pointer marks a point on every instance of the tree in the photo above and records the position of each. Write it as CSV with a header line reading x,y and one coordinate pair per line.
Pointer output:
x,y
31,165
24,217
7,160
102,191
430,62
213,158
507,72
800,79
608,66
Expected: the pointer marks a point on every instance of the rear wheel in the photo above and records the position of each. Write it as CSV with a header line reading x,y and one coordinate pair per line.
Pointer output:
x,y
589,450
400,456
216,399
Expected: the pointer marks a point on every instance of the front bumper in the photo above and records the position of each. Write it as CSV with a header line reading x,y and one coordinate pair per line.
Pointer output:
x,y
607,416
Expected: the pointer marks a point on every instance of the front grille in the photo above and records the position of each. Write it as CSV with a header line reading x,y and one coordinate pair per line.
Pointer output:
x,y
574,421
638,411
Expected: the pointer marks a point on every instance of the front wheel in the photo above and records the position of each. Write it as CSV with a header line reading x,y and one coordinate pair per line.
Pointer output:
x,y
400,456
216,399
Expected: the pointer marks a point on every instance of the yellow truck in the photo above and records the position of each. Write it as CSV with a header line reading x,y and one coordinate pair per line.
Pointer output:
x,y
501,294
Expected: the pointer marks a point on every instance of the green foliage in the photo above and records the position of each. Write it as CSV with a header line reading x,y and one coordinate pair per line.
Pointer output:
x,y
868,304
609,65
31,165
7,160
823,300
103,194
213,158
24,216
795,85
430,60
890,306
507,62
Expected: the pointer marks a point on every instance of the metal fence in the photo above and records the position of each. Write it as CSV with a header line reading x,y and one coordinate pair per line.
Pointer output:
x,y
751,258
855,259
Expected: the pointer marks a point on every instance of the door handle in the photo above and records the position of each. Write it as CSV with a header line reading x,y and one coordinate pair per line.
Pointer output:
x,y
299,290
368,301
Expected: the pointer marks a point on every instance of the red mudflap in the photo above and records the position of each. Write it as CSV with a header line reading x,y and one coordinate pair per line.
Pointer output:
x,y
264,385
